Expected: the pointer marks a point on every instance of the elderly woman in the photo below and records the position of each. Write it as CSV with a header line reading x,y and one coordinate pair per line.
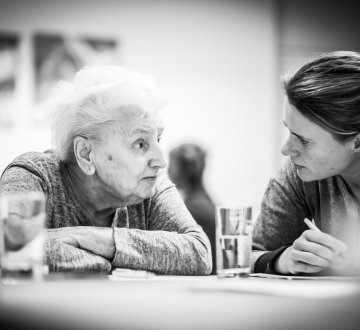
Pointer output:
x,y
321,179
109,203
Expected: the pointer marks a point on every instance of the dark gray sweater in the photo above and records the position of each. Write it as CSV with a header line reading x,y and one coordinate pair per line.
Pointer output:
x,y
288,200
158,234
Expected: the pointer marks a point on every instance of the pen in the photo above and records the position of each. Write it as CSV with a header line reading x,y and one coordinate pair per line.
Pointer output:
x,y
312,226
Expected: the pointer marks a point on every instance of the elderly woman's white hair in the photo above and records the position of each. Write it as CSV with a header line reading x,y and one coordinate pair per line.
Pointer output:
x,y
96,98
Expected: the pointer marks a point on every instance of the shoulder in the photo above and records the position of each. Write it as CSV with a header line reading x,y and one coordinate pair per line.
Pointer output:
x,y
287,185
44,165
163,191
165,196
288,172
286,178
333,187
36,159
163,184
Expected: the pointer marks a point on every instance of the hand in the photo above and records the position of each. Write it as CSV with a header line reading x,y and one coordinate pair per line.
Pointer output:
x,y
312,252
63,257
65,235
98,240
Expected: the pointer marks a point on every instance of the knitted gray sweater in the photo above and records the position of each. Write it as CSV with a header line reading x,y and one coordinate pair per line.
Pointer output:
x,y
158,234
288,200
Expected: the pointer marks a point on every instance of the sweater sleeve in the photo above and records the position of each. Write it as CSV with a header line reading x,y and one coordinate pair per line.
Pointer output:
x,y
281,218
63,257
19,179
58,256
173,243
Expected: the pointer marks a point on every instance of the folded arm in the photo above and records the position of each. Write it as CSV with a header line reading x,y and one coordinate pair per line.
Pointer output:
x,y
162,252
98,240
172,244
60,256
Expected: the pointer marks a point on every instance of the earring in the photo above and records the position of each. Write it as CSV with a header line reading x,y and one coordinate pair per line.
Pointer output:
x,y
89,170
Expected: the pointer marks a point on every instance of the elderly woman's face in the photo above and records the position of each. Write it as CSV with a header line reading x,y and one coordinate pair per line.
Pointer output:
x,y
314,151
129,160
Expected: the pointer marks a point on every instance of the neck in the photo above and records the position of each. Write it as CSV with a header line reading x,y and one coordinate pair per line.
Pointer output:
x,y
352,173
91,197
352,177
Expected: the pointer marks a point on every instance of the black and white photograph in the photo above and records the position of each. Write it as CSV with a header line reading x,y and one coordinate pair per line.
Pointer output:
x,y
179,164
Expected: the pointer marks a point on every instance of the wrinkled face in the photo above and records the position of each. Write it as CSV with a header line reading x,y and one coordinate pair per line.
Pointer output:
x,y
129,159
314,151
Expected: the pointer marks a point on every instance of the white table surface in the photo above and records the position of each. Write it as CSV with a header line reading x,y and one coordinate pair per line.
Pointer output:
x,y
181,302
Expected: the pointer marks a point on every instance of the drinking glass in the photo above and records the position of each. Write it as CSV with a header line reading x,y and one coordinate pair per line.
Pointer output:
x,y
22,221
233,240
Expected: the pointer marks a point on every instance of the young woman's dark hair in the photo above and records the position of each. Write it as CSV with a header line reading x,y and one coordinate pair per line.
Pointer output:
x,y
326,90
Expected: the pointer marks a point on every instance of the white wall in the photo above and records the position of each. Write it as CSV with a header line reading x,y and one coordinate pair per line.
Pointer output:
x,y
215,59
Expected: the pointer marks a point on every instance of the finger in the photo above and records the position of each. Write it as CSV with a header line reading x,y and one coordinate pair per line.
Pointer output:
x,y
315,248
325,239
311,259
68,240
301,267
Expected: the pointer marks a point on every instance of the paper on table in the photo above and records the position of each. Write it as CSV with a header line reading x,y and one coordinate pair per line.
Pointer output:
x,y
316,278
121,273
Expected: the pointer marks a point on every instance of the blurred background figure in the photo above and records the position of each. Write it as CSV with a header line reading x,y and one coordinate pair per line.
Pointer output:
x,y
186,168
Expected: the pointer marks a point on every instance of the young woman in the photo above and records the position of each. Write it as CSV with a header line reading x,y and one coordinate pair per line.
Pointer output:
x,y
321,179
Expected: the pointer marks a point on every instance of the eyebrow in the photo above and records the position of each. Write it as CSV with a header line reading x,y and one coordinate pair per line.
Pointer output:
x,y
297,135
146,131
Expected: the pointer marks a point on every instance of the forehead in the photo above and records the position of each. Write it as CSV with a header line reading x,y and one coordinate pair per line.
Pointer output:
x,y
139,122
298,123
304,127
292,116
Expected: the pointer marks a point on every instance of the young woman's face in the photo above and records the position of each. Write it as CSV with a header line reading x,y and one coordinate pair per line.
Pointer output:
x,y
314,151
129,160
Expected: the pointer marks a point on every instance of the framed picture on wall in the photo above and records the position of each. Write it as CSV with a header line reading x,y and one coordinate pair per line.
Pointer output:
x,y
59,57
9,56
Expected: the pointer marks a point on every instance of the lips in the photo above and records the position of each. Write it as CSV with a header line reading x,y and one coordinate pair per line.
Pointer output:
x,y
298,166
151,178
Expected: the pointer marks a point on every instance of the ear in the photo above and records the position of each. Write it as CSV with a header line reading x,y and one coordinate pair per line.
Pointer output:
x,y
84,155
356,145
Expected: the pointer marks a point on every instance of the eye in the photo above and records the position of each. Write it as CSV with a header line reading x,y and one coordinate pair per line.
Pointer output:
x,y
159,139
303,141
140,144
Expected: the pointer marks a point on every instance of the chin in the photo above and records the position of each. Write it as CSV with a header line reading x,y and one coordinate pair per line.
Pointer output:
x,y
307,176
147,193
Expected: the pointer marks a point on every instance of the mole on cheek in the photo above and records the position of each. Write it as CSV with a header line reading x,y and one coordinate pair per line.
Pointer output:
x,y
110,157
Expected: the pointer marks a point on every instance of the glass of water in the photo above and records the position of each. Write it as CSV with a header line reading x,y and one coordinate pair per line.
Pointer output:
x,y
22,221
233,241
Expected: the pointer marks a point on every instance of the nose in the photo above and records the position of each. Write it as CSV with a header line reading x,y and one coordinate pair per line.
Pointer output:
x,y
290,148
157,158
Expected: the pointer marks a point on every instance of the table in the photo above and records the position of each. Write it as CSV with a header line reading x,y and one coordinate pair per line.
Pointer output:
x,y
180,302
